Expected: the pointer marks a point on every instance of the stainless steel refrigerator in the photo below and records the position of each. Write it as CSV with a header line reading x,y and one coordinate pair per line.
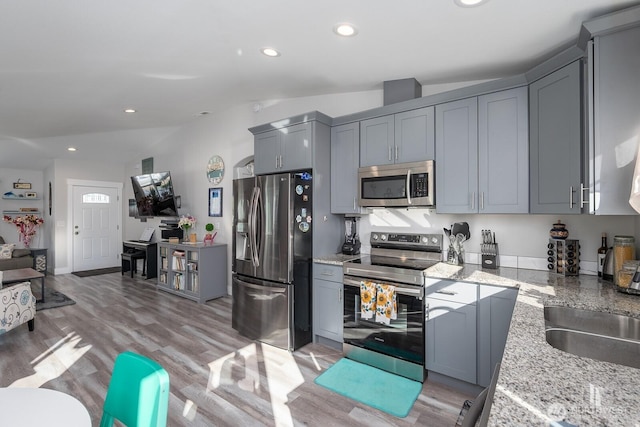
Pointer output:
x,y
272,247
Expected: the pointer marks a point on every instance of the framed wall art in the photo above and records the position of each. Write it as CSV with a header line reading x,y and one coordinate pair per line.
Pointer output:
x,y
215,201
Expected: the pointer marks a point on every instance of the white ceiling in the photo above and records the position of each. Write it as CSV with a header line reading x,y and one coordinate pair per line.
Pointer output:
x,y
70,67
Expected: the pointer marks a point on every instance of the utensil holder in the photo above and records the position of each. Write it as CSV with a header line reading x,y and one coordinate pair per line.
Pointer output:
x,y
490,258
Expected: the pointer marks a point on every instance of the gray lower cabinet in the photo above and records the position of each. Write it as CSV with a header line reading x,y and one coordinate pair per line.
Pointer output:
x,y
327,302
451,329
495,308
284,149
193,271
398,138
616,107
345,159
555,142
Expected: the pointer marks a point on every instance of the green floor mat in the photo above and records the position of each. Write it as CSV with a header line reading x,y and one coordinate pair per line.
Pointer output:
x,y
379,389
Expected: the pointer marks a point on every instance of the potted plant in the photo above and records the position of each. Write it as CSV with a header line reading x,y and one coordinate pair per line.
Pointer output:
x,y
208,238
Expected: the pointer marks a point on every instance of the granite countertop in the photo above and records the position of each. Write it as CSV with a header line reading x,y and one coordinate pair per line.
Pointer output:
x,y
335,259
539,384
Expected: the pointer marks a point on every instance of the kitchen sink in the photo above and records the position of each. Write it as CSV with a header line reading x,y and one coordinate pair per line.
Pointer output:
x,y
602,336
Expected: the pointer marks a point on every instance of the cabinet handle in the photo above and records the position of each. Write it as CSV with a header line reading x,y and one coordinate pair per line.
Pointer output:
x,y
390,153
582,200
482,201
571,197
445,292
340,294
277,158
354,204
396,152
473,200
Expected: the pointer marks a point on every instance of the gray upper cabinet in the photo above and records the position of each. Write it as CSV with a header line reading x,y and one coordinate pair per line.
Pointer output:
x,y
555,142
284,149
398,138
345,158
376,141
615,112
503,152
415,135
482,154
457,156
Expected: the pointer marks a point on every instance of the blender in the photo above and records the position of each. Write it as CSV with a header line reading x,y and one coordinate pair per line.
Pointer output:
x,y
351,245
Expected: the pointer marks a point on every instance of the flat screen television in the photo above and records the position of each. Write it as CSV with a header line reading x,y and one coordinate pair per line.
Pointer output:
x,y
154,195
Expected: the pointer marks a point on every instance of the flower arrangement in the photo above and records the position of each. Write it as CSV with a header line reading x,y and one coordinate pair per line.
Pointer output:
x,y
186,222
27,226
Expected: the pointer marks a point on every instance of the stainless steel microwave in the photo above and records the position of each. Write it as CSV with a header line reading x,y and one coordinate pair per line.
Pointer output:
x,y
398,185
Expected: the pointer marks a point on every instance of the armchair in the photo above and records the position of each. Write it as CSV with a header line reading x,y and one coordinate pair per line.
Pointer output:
x,y
17,306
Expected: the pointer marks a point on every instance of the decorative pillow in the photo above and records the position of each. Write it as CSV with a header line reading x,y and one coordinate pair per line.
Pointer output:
x,y
19,253
6,250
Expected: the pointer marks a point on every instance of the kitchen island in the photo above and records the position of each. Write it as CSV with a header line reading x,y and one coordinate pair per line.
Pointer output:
x,y
538,384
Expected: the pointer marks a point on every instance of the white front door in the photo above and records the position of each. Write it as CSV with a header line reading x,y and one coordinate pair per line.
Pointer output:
x,y
95,227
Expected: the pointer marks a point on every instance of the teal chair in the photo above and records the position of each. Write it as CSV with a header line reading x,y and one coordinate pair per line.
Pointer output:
x,y
138,394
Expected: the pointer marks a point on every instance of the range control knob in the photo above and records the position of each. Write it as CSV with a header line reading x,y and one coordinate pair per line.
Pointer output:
x,y
424,239
383,237
374,236
434,240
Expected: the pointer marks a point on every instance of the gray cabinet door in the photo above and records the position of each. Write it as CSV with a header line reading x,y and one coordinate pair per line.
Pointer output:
x,y
451,339
345,158
616,112
415,135
297,147
457,156
327,301
503,152
266,148
495,308
555,141
376,141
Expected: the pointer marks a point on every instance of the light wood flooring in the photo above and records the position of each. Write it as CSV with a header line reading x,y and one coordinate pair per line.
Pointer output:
x,y
218,378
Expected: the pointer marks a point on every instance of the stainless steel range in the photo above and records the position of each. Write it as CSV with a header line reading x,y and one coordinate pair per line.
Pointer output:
x,y
397,344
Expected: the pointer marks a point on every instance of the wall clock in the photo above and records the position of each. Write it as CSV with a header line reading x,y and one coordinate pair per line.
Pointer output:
x,y
215,169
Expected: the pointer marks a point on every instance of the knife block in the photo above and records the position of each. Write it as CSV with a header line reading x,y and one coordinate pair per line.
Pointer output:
x,y
490,258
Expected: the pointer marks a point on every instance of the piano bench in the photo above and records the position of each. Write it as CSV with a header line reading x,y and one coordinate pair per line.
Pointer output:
x,y
130,261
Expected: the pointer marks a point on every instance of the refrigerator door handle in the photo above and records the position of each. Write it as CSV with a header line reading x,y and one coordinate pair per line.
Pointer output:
x,y
253,225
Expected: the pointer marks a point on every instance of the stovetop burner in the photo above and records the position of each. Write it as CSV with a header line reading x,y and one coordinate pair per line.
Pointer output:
x,y
397,257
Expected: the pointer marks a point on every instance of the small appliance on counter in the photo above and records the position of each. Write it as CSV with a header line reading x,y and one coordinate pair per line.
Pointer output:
x,y
351,245
489,250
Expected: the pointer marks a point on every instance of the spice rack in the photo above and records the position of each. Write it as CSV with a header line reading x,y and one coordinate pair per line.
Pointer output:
x,y
564,256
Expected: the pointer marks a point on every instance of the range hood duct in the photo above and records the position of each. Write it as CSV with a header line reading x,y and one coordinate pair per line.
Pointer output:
x,y
401,90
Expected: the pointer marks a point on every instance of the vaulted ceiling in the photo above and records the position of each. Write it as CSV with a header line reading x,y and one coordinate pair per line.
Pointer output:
x,y
70,67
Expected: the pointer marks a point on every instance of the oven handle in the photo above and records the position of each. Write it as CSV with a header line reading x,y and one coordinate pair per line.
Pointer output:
x,y
402,290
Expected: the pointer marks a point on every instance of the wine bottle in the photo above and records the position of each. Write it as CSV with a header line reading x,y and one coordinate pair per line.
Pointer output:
x,y
602,251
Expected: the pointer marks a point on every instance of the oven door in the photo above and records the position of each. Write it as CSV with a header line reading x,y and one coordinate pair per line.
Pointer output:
x,y
402,338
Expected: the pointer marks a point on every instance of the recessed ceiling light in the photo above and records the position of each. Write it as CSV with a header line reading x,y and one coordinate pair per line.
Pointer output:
x,y
71,149
345,29
129,110
269,51
469,3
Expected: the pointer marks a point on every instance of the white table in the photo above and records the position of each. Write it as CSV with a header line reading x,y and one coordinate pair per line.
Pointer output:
x,y
41,407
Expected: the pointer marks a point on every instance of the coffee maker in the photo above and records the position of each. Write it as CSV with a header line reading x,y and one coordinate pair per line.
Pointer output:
x,y
351,245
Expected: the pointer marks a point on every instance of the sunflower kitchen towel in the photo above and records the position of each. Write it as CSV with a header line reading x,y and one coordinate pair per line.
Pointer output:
x,y
367,299
386,309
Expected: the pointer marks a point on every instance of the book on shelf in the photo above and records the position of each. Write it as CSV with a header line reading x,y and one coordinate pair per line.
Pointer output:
x,y
178,282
